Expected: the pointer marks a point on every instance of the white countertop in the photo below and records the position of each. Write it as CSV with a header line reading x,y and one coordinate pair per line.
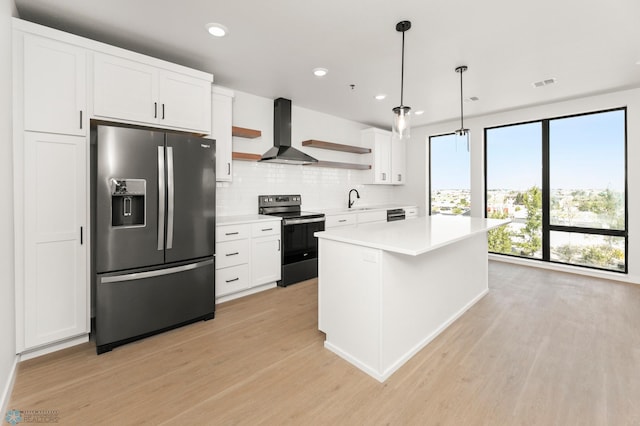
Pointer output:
x,y
413,237
247,218
361,209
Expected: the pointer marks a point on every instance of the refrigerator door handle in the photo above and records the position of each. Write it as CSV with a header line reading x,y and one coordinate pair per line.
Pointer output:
x,y
161,201
156,273
170,197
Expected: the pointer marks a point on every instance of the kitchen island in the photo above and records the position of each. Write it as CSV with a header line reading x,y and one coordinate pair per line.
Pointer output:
x,y
385,290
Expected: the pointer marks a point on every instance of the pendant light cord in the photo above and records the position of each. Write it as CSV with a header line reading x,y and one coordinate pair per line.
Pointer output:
x,y
461,103
402,74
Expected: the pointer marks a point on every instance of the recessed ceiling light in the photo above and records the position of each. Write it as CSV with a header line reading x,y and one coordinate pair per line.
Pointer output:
x,y
381,96
420,112
472,99
217,30
320,72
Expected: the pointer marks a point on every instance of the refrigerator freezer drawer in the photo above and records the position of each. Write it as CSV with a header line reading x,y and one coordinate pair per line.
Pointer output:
x,y
135,305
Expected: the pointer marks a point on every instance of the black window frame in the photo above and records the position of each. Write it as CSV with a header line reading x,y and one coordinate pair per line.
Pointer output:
x,y
547,227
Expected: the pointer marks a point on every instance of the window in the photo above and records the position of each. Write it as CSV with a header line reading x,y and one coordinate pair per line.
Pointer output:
x,y
562,182
449,175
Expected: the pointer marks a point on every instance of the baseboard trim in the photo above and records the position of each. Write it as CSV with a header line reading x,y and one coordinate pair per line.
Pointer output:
x,y
595,273
8,387
43,350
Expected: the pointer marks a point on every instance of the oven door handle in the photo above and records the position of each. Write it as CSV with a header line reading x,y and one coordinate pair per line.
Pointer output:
x,y
286,222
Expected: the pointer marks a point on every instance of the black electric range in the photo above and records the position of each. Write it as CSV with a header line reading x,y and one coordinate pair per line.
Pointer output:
x,y
299,246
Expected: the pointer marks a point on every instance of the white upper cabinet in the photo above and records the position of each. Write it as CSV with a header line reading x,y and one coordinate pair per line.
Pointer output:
x,y
54,86
221,124
124,89
398,161
380,143
389,157
185,101
136,92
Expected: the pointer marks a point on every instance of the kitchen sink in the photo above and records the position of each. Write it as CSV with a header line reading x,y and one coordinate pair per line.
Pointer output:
x,y
361,208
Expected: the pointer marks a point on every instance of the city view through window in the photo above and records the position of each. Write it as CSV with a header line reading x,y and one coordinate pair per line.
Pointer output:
x,y
449,175
576,164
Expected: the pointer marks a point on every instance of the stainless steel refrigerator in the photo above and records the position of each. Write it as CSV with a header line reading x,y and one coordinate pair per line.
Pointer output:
x,y
154,232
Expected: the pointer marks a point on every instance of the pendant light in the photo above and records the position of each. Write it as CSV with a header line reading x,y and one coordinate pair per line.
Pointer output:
x,y
402,113
462,132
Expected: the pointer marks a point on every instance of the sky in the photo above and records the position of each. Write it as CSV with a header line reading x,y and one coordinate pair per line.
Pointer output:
x,y
586,152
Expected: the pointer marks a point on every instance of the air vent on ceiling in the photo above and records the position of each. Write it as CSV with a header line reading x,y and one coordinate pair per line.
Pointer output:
x,y
544,82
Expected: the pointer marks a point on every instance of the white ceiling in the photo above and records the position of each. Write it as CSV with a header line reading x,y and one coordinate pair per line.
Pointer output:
x,y
589,46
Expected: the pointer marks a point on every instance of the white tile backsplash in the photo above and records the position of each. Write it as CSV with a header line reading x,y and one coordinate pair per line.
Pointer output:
x,y
321,188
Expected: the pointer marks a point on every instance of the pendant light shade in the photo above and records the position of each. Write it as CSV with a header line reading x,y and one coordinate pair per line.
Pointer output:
x,y
402,114
462,132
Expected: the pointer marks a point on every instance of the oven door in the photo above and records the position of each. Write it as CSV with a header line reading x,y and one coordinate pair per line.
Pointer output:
x,y
298,242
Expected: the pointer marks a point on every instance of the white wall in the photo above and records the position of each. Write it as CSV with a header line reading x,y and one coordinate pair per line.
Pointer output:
x,y
7,311
628,98
321,188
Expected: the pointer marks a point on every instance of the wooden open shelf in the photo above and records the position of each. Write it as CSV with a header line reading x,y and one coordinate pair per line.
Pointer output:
x,y
340,165
336,146
245,156
241,132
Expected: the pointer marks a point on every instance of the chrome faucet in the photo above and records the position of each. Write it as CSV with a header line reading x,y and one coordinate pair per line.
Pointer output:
x,y
357,195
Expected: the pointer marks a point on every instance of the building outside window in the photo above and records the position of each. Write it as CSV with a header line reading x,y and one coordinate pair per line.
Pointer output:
x,y
562,182
449,175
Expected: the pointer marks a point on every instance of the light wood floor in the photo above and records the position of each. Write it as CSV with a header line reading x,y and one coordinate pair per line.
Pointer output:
x,y
542,348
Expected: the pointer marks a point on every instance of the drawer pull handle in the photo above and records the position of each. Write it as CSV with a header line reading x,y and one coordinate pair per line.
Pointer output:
x,y
267,229
232,254
230,281
231,233
342,220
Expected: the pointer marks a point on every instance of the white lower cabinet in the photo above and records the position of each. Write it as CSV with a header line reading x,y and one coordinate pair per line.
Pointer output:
x,y
232,279
54,298
248,258
411,212
337,220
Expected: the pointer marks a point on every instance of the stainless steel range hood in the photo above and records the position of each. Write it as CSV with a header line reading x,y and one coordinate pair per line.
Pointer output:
x,y
282,151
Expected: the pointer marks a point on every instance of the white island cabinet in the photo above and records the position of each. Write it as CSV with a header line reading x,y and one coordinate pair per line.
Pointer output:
x,y
385,290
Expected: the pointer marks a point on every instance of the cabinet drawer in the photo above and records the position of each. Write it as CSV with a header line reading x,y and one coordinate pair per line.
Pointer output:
x,y
262,229
232,253
410,212
376,216
232,232
333,221
232,279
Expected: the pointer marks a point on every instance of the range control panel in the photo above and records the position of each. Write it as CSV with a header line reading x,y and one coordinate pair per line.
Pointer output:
x,y
279,200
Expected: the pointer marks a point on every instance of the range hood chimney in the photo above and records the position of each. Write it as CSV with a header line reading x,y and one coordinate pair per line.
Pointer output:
x,y
282,151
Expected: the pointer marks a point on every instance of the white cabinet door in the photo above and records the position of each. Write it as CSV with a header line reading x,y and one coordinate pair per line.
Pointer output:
x,y
185,102
55,244
54,86
221,123
124,89
265,260
133,91
380,143
398,161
